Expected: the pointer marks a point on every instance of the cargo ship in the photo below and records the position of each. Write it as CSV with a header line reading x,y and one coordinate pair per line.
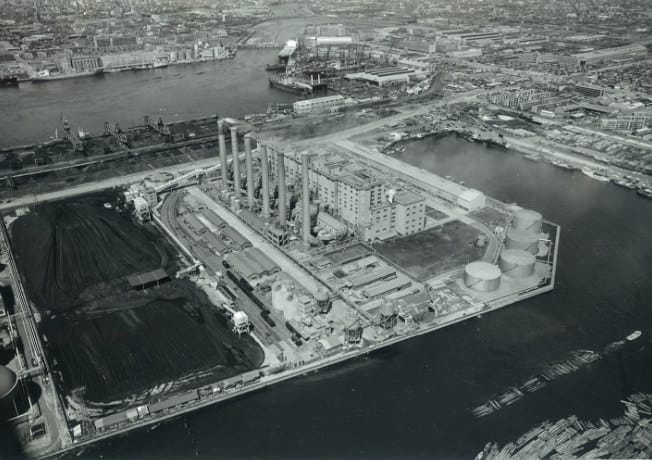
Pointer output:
x,y
46,75
290,84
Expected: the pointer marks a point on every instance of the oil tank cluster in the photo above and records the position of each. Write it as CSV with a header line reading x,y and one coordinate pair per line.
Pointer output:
x,y
516,263
523,240
528,220
482,276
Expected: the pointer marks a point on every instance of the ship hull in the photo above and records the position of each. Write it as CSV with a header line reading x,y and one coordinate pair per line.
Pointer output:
x,y
67,76
289,88
10,82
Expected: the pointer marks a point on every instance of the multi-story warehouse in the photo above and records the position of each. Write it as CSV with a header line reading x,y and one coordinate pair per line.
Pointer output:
x,y
611,54
519,99
627,122
318,104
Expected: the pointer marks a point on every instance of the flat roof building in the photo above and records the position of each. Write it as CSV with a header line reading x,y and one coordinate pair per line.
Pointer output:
x,y
318,104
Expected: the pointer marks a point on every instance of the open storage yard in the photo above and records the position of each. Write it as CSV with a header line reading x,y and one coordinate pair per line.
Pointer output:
x,y
433,251
114,340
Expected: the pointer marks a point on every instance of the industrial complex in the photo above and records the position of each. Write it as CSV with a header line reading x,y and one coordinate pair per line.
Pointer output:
x,y
312,248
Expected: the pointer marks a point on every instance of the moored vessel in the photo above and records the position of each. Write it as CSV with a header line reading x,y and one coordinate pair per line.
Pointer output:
x,y
597,175
290,84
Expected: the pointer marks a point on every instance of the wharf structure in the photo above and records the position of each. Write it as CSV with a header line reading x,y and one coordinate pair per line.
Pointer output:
x,y
298,242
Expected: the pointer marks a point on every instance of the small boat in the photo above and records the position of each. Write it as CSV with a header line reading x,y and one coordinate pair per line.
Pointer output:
x,y
623,183
597,175
644,192
533,157
634,335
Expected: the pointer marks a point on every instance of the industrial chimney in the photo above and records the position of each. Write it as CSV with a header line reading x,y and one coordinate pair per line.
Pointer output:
x,y
305,169
250,170
235,160
282,188
222,147
264,160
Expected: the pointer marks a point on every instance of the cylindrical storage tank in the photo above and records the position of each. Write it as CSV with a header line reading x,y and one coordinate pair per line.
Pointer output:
x,y
522,239
526,219
482,276
8,382
516,263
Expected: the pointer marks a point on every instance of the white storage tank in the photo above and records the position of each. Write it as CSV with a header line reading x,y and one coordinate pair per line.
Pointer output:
x,y
482,276
526,219
516,263
522,239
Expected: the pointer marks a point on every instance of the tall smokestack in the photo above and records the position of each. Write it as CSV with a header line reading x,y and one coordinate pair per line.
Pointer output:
x,y
265,172
250,170
235,160
305,169
282,189
222,146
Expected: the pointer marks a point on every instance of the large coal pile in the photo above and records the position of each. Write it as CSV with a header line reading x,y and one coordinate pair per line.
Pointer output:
x,y
68,250
102,335
174,334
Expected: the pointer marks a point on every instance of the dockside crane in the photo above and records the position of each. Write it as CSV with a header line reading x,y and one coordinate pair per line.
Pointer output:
x,y
117,132
70,136
159,127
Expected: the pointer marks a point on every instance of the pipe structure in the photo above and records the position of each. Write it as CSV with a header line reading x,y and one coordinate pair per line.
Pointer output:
x,y
282,189
264,160
250,170
235,161
305,170
222,147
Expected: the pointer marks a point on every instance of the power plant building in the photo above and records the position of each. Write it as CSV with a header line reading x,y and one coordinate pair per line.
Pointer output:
x,y
355,195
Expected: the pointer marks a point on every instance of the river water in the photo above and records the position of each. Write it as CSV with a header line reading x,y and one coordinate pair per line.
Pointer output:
x,y
415,399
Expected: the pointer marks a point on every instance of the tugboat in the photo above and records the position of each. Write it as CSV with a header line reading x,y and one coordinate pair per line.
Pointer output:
x,y
8,81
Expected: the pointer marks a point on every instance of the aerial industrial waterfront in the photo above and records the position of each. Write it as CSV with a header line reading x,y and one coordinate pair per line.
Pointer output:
x,y
300,191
